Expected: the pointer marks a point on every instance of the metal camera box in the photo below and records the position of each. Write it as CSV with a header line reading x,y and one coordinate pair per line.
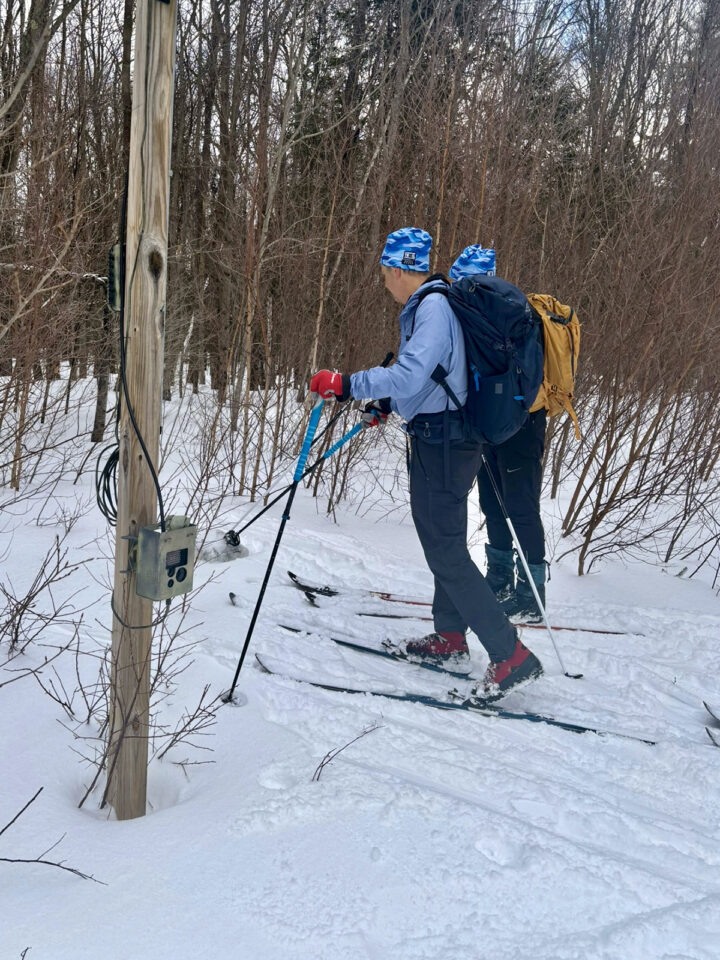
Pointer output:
x,y
165,560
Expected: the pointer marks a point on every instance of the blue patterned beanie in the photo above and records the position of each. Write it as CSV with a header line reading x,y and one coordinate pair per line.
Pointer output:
x,y
473,260
408,249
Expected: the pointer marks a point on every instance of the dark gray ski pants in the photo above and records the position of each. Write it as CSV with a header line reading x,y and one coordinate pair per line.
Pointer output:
x,y
442,473
517,468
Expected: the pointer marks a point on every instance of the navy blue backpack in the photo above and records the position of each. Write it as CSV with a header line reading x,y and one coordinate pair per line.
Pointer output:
x,y
504,355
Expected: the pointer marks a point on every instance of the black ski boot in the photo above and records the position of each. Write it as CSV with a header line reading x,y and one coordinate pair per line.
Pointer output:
x,y
500,573
522,606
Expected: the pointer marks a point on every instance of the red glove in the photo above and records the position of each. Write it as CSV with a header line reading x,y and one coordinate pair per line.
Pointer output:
x,y
327,384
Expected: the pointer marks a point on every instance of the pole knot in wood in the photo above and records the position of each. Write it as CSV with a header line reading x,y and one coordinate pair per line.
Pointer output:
x,y
156,263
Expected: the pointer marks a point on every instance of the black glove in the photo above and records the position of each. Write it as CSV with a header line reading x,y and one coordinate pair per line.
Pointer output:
x,y
376,412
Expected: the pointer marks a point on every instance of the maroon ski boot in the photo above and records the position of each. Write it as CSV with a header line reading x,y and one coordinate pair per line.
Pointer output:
x,y
446,647
509,674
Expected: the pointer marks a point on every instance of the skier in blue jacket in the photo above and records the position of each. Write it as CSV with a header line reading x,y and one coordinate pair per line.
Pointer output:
x,y
443,463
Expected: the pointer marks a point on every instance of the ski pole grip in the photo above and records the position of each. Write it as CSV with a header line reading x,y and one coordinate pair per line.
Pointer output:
x,y
336,446
312,427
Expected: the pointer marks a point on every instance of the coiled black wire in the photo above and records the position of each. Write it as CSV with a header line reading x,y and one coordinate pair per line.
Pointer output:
x,y
106,483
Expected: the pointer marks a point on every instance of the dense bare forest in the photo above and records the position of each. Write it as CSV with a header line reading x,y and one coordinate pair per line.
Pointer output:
x,y
579,138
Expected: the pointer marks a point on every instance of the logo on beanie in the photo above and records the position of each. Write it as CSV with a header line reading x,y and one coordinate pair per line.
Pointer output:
x,y
408,258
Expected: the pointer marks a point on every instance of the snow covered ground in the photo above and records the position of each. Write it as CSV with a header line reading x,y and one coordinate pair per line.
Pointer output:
x,y
434,835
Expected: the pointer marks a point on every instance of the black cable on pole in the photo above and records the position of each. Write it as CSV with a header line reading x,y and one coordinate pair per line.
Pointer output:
x,y
106,483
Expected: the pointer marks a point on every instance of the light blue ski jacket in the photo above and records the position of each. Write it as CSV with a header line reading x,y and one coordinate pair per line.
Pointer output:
x,y
436,338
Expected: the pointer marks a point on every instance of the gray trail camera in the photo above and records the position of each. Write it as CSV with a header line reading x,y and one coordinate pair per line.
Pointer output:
x,y
165,562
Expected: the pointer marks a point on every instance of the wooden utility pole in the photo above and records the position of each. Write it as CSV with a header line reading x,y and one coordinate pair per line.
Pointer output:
x,y
144,327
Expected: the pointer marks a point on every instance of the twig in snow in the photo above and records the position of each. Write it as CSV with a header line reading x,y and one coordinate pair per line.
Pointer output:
x,y
41,858
331,754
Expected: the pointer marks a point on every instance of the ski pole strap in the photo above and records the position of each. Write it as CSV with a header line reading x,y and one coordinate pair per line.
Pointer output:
x,y
312,427
348,436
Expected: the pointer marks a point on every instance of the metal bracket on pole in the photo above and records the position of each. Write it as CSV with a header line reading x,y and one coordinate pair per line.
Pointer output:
x,y
132,553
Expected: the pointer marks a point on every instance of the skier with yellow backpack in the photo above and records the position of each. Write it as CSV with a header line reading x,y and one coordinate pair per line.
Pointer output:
x,y
511,478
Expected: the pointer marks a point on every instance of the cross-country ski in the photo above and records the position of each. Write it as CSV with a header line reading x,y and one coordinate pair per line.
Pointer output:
x,y
390,653
312,592
468,705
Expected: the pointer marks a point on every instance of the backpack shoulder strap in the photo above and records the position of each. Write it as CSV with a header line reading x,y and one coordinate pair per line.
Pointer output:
x,y
426,293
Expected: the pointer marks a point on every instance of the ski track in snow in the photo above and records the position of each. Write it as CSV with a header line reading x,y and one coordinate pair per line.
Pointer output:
x,y
435,835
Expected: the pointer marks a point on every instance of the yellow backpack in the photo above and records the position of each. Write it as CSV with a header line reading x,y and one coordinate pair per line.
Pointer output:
x,y
561,338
